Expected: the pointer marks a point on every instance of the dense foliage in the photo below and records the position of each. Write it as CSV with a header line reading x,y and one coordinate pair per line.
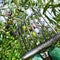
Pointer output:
x,y
16,11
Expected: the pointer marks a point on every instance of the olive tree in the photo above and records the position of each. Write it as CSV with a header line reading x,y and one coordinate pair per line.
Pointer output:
x,y
13,12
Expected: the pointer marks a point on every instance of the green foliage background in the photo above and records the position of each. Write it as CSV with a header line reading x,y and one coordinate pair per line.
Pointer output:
x,y
9,45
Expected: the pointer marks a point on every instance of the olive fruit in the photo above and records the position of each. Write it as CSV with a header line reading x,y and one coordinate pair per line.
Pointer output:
x,y
33,34
9,13
30,29
12,33
10,22
24,27
7,26
15,33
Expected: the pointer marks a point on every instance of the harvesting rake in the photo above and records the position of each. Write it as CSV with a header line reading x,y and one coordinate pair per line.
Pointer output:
x,y
37,34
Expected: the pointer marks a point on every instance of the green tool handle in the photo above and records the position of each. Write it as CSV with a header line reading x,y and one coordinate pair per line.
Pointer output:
x,y
43,46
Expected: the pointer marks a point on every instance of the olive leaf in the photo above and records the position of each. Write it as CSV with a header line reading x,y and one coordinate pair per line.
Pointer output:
x,y
46,7
57,18
17,2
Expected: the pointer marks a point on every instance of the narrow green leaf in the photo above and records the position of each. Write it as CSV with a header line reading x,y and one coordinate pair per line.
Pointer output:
x,y
57,18
53,10
46,7
55,5
40,1
17,2
52,21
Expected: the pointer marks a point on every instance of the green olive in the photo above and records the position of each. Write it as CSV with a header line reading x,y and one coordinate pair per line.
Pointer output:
x,y
24,27
33,34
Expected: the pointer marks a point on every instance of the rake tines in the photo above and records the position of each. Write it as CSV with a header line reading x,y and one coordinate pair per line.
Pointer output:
x,y
35,34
